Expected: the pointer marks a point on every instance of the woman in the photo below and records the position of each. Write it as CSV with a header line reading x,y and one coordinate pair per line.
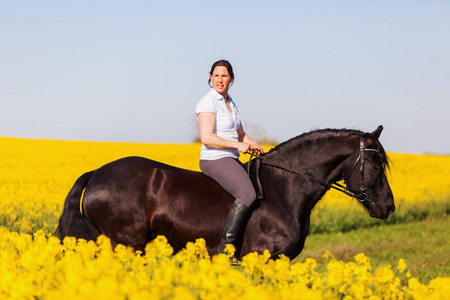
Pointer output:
x,y
223,138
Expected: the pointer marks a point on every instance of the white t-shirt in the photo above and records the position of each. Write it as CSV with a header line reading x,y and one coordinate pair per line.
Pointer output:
x,y
226,127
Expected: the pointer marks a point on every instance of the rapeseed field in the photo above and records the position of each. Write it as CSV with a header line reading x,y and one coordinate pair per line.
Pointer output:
x,y
36,175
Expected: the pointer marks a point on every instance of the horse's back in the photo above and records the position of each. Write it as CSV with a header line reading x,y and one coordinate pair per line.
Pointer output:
x,y
134,199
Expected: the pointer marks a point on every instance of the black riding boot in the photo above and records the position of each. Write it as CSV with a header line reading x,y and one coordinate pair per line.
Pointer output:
x,y
236,217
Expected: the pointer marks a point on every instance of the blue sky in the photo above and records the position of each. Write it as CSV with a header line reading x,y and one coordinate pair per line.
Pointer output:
x,y
134,70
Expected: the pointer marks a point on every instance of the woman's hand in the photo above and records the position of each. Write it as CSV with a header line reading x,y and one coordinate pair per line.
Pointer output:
x,y
252,147
243,147
255,147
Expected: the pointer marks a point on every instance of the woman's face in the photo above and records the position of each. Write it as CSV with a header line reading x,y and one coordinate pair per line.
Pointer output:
x,y
221,80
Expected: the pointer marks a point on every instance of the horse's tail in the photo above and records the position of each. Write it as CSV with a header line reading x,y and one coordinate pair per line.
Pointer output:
x,y
72,222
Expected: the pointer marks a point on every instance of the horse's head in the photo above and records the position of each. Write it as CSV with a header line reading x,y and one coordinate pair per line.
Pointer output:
x,y
366,176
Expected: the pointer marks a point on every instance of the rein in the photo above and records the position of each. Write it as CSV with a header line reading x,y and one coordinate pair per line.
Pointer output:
x,y
362,196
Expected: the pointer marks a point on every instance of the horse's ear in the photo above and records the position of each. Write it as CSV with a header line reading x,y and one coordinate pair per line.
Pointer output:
x,y
377,132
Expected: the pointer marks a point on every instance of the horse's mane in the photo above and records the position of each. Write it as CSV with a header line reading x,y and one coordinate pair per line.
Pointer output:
x,y
314,136
324,134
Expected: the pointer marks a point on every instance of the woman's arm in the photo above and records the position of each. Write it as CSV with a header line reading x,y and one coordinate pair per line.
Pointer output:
x,y
207,122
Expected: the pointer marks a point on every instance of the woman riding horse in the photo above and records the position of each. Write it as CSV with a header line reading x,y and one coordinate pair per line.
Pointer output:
x,y
223,137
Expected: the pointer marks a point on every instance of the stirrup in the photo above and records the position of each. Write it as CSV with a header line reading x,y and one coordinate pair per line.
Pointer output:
x,y
234,261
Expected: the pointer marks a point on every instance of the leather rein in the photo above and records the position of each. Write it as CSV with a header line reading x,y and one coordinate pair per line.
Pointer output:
x,y
362,196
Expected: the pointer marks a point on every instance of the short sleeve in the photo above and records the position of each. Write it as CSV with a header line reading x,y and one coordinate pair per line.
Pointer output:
x,y
206,104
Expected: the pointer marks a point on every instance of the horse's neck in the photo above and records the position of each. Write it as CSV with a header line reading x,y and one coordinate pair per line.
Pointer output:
x,y
324,160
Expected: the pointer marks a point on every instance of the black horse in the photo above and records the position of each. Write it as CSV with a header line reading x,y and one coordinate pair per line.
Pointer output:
x,y
132,200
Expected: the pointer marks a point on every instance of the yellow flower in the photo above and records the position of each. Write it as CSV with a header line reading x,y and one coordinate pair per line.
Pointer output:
x,y
363,260
384,274
401,265
327,255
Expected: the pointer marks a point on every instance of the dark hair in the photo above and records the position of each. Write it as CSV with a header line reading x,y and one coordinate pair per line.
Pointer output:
x,y
221,63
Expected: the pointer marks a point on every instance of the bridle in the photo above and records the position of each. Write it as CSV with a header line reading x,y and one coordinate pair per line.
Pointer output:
x,y
361,196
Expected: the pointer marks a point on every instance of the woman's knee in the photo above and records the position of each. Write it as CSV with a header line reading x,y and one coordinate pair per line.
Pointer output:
x,y
248,197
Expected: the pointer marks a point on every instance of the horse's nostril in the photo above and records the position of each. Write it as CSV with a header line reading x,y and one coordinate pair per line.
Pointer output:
x,y
391,210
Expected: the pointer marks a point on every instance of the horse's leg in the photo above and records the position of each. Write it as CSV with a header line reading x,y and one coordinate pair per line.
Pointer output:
x,y
304,228
129,236
266,234
118,217
276,238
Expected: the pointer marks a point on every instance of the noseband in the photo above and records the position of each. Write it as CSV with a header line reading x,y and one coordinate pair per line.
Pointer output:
x,y
362,196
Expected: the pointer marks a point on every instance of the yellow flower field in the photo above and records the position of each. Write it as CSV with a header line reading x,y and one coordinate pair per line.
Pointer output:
x,y
40,267
36,175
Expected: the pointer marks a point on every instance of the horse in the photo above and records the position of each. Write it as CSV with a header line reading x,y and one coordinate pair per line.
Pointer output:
x,y
133,200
